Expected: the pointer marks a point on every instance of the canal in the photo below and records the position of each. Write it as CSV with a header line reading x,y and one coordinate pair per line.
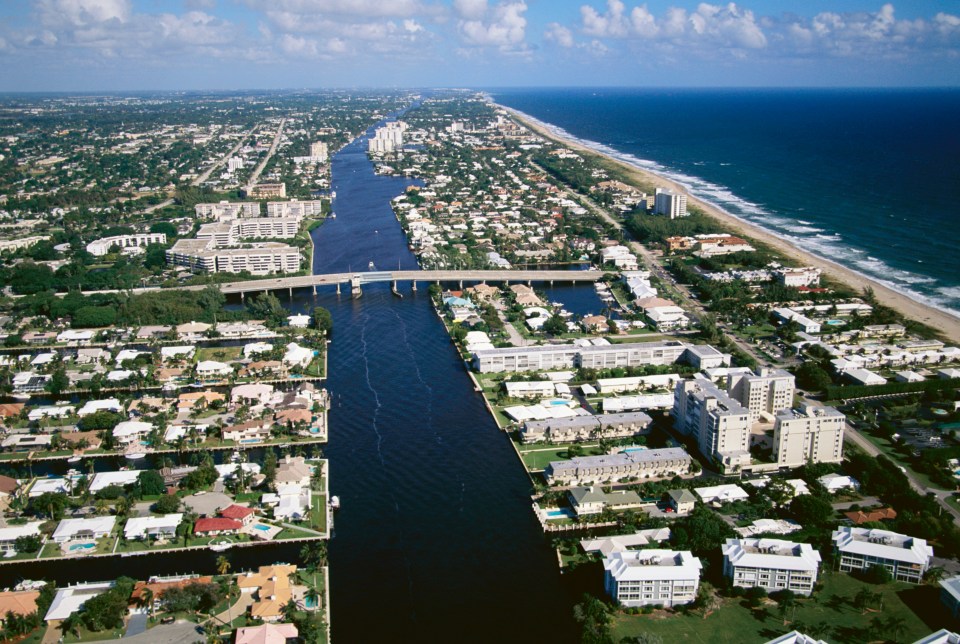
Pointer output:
x,y
435,540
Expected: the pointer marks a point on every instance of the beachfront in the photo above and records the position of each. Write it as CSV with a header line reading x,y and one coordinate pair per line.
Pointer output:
x,y
944,322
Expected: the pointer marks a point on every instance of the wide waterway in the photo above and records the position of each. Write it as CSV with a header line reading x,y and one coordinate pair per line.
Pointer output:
x,y
436,540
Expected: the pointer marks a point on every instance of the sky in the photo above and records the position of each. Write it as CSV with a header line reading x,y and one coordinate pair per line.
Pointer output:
x,y
113,45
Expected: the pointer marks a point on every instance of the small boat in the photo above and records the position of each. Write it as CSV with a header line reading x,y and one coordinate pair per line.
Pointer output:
x,y
333,215
135,456
371,266
21,396
220,547
335,502
73,459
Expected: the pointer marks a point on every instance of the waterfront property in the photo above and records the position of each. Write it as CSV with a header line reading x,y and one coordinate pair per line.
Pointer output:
x,y
10,534
272,589
578,428
652,577
155,527
88,528
617,543
772,564
69,600
590,500
642,464
906,558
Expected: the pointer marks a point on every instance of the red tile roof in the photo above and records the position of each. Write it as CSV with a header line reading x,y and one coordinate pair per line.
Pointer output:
x,y
216,525
238,512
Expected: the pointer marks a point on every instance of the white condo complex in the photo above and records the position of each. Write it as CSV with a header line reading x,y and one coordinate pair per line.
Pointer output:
x,y
772,564
652,577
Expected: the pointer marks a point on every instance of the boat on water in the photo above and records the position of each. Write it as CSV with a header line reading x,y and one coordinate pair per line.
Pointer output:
x,y
371,266
73,459
333,215
135,456
335,502
220,547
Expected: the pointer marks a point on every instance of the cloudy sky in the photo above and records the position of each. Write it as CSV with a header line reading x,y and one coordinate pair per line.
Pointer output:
x,y
73,45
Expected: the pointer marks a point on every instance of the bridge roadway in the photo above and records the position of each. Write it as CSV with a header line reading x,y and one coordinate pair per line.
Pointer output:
x,y
331,279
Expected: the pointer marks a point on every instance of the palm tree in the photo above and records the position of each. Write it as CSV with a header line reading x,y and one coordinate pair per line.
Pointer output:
x,y
289,610
312,596
223,565
146,600
896,626
70,626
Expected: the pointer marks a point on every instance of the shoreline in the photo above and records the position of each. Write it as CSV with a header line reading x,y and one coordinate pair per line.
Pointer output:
x,y
939,320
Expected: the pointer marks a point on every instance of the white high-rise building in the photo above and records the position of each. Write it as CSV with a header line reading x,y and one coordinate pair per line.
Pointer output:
x,y
764,391
669,203
720,424
318,151
808,435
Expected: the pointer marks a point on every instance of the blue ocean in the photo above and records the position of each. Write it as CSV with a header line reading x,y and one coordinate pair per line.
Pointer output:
x,y
866,177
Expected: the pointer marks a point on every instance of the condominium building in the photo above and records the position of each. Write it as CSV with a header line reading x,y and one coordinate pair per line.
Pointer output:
x,y
227,233
258,259
267,190
808,435
294,208
23,242
642,464
773,564
806,276
603,356
225,210
766,390
568,430
720,424
101,247
906,558
669,203
388,138
318,150
652,577
514,359
631,354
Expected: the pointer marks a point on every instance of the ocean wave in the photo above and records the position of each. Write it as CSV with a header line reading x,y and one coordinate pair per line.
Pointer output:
x,y
945,298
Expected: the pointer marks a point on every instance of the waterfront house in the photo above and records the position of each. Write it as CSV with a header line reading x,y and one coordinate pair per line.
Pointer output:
x,y
70,599
240,513
17,602
255,348
253,395
591,500
719,494
906,558
272,588
192,331
299,321
93,406
250,432
175,354
130,431
293,502
772,564
267,634
120,478
162,527
297,356
211,527
652,577
27,443
10,534
617,543
293,470
198,399
87,528
157,586
212,369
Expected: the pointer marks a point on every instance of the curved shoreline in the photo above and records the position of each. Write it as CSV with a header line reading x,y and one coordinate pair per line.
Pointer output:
x,y
942,321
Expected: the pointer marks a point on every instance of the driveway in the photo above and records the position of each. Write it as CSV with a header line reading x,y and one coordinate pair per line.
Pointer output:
x,y
180,632
136,625
207,504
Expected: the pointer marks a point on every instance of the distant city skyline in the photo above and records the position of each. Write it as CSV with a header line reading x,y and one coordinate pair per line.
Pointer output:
x,y
112,45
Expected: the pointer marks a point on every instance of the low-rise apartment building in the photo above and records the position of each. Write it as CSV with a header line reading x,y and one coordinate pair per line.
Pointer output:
x,y
652,577
643,464
906,558
578,428
772,564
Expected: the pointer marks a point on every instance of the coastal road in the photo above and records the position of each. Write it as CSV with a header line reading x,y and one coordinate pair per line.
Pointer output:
x,y
273,148
863,443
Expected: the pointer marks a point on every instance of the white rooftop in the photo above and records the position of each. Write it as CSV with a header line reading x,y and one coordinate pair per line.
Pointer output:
x,y
68,600
882,544
771,553
637,565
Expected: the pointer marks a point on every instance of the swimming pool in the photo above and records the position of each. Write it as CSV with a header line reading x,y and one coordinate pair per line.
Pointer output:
x,y
314,430
310,602
82,546
558,514
634,449
249,440
260,526
836,322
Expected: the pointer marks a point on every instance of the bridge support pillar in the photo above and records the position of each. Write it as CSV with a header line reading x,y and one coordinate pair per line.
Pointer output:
x,y
530,283
338,288
355,289
414,286
393,285
290,292
241,296
461,285
551,283
314,289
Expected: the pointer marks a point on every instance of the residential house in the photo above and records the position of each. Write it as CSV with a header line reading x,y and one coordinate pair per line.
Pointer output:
x,y
87,528
162,527
211,527
10,534
272,587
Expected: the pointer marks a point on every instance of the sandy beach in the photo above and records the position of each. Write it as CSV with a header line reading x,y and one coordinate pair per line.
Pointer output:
x,y
945,323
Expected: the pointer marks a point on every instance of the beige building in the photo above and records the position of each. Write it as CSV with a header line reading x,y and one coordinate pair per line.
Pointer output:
x,y
261,258
720,424
225,210
766,390
809,434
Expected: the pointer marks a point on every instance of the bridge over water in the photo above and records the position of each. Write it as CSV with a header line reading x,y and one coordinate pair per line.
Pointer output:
x,y
356,279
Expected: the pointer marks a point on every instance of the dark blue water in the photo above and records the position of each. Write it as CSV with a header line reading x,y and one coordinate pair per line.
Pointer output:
x,y
436,540
868,178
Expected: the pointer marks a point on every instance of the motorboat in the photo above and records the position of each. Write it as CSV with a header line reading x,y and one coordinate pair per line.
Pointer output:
x,y
335,502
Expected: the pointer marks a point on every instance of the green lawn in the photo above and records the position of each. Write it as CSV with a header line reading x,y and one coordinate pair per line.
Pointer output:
x,y
220,354
538,460
734,623
318,512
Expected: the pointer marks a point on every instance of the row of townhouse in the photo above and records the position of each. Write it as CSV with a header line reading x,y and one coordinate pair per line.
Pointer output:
x,y
641,464
578,428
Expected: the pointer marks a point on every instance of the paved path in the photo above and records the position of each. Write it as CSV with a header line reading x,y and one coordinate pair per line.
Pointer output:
x,y
239,608
136,625
180,632
865,502
273,148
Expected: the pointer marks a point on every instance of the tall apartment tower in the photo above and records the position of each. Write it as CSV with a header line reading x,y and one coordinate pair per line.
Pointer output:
x,y
669,203
765,390
319,151
720,424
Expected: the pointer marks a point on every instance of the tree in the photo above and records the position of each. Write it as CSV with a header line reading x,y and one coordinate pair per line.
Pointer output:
x,y
151,483
167,504
223,565
322,320
59,382
314,555
267,307
811,510
164,227
812,377
755,596
786,599
594,619
27,543
555,325
51,504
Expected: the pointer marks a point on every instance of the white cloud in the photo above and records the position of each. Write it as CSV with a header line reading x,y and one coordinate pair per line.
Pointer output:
x,y
559,34
470,9
80,13
362,8
504,26
612,24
